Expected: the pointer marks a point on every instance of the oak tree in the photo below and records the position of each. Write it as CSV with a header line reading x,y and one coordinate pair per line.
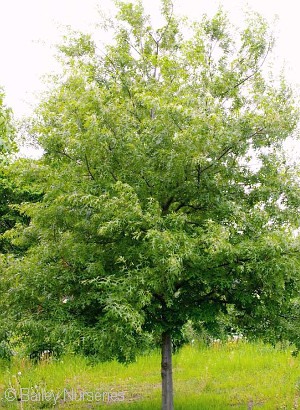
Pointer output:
x,y
167,196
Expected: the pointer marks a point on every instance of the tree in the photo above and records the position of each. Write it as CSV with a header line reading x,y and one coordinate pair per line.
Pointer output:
x,y
7,146
167,195
13,192
7,131
10,193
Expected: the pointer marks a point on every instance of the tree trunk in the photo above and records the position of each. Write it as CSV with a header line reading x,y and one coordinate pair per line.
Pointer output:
x,y
166,372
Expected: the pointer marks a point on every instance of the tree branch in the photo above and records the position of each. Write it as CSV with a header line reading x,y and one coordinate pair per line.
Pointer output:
x,y
147,182
230,148
88,167
177,125
64,154
241,82
167,204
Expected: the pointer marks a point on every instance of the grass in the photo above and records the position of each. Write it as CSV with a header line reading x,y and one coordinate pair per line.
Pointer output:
x,y
220,377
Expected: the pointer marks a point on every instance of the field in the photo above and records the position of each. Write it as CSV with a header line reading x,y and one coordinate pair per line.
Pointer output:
x,y
223,376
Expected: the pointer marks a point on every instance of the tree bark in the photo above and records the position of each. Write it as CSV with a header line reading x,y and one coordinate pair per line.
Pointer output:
x,y
166,372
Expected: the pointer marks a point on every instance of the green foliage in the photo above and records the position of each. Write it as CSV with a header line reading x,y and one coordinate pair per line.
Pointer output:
x,y
153,213
12,191
7,131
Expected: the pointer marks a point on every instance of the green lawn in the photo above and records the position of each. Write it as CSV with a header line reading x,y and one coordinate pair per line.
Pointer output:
x,y
228,376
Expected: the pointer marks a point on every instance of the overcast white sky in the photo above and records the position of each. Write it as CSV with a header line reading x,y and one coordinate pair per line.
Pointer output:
x,y
30,28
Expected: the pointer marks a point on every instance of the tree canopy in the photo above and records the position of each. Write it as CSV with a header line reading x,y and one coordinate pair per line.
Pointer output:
x,y
167,196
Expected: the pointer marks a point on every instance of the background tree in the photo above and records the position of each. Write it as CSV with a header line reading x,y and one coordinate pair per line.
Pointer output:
x,y
13,192
167,195
7,131
7,146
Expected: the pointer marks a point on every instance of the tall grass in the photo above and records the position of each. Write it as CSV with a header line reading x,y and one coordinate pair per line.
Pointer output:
x,y
220,377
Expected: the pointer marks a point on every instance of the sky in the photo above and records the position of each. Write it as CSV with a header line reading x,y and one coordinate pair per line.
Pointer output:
x,y
29,30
